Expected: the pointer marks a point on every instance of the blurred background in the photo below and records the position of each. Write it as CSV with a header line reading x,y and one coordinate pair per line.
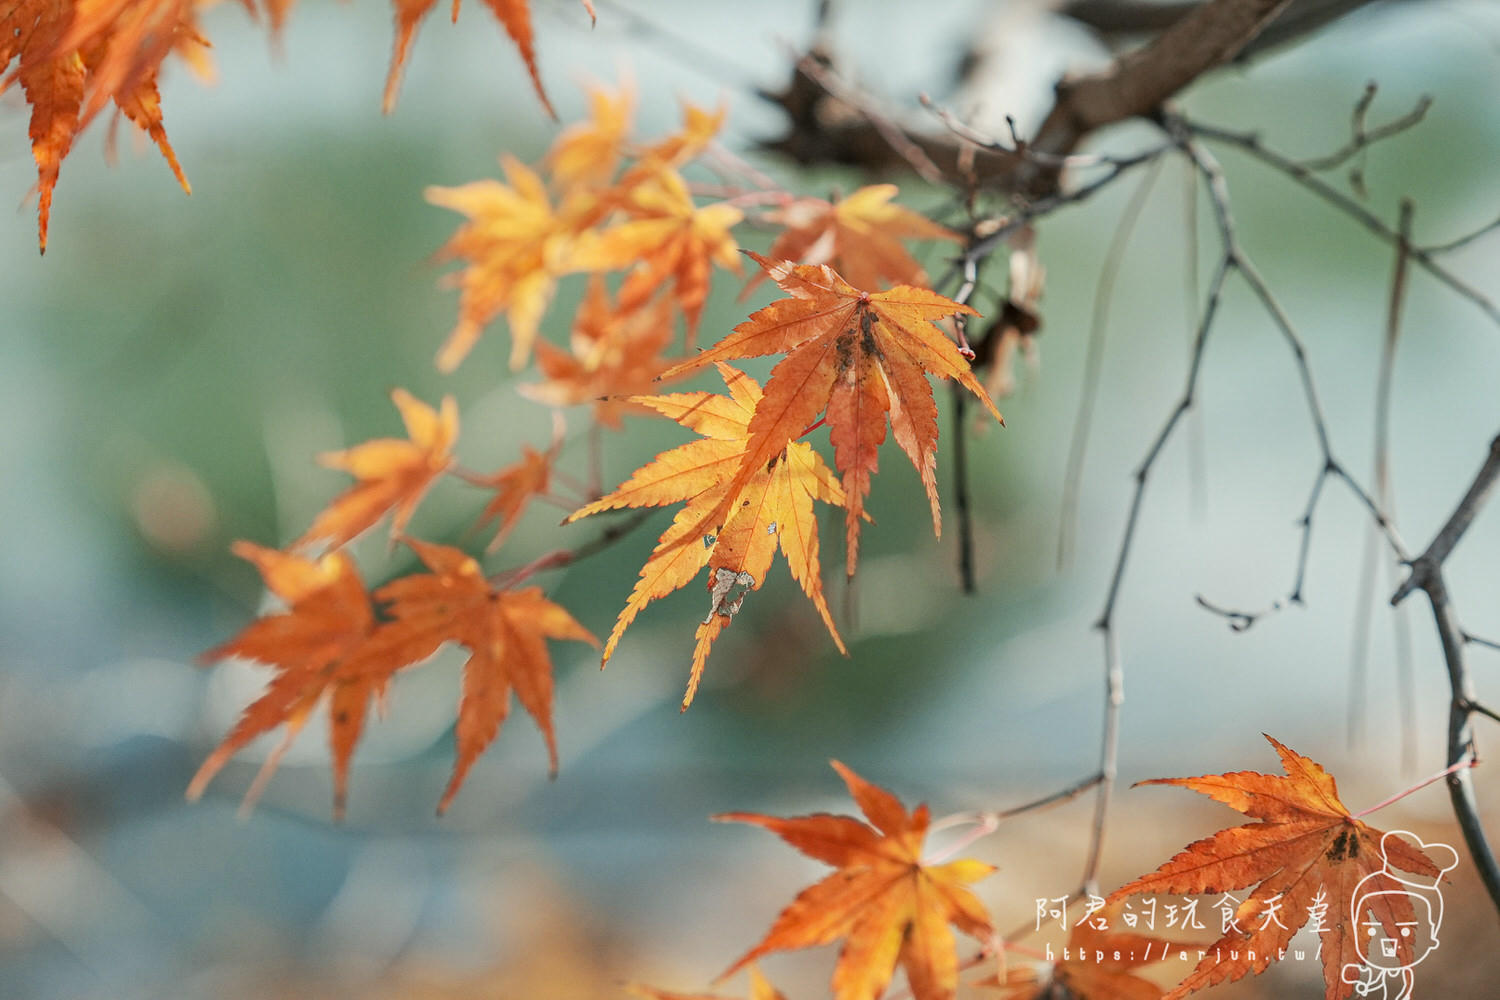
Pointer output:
x,y
173,364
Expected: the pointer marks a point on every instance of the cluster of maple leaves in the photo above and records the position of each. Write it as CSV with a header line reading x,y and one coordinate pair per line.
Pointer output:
x,y
892,905
860,333
74,58
624,214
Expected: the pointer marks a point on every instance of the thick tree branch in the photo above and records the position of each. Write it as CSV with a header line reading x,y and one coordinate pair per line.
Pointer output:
x,y
1116,18
1139,82
830,124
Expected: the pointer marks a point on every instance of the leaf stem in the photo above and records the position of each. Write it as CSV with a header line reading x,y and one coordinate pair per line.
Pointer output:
x,y
1469,761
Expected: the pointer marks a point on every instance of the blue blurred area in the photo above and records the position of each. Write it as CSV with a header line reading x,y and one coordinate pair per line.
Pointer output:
x,y
172,366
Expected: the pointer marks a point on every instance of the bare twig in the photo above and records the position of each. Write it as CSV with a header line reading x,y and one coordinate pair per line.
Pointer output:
x,y
1018,147
1463,241
558,558
1361,138
1427,575
1093,365
1250,143
969,271
1197,433
1114,673
1475,640
994,817
1385,497
962,506
1453,529
1329,465
998,230
1239,621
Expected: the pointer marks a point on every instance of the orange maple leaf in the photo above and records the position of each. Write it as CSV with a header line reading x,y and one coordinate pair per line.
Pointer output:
x,y
887,905
517,247
391,473
860,355
72,59
328,618
615,353
699,128
858,236
588,153
1096,964
513,15
505,632
1306,850
515,487
773,508
666,237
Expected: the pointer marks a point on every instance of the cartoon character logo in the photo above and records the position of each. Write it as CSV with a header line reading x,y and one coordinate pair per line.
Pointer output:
x,y
1412,909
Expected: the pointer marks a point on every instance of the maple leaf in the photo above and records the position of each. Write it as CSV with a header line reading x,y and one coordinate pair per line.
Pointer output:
x,y
1305,843
858,236
860,355
1097,964
328,618
505,632
515,487
699,128
588,153
760,989
615,353
666,238
773,509
516,246
887,905
72,59
391,473
513,15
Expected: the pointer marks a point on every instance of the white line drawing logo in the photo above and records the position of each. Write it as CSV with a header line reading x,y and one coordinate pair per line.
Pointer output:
x,y
1382,967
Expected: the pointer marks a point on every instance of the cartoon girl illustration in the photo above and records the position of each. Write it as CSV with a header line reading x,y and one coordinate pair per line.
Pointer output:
x,y
1389,957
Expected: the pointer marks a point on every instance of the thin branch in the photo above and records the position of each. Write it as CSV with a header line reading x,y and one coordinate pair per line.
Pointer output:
x,y
1361,139
997,230
989,817
1463,241
1364,605
1483,710
1461,733
1458,522
1018,147
558,558
969,270
1197,433
1475,640
1250,143
1329,464
1427,576
1093,364
1239,621
962,504
1114,672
